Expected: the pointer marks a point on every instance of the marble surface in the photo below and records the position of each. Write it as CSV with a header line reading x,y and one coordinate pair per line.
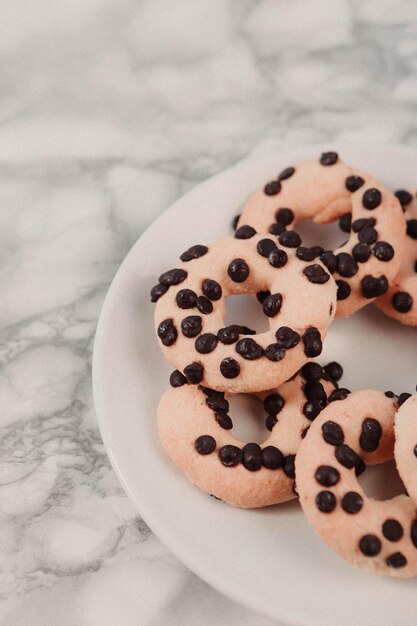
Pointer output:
x,y
110,110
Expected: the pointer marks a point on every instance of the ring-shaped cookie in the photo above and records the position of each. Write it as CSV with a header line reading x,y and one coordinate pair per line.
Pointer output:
x,y
326,189
400,301
378,536
406,445
196,432
190,310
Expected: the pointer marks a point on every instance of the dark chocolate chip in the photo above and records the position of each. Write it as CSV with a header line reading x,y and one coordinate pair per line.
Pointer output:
x,y
273,403
371,198
403,397
349,459
312,371
272,457
230,455
275,352
186,298
353,183
235,221
245,232
325,501
177,379
230,334
238,270
329,260
272,188
304,432
361,252
306,254
315,392
345,222
357,225
396,560
318,250
370,545
352,502
272,305
157,291
367,444
205,444
215,400
229,368
270,422
287,337
206,343
276,228
289,466
311,410
334,370
402,301
204,305
332,433
368,235
287,173
327,475
316,274
249,349
374,287
346,265
262,295
277,258
252,457
412,229
223,420
290,239
167,332
371,429
194,373
312,342
392,530
383,251
338,394
195,252
191,326
390,394
173,277
413,533
403,196
212,289
265,246
329,158
284,216
343,290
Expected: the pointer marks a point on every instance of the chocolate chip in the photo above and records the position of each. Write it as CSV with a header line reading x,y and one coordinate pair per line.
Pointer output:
x,y
402,301
370,545
316,274
204,305
371,429
413,533
329,158
371,198
195,252
361,252
289,466
206,343
304,432
338,394
238,270
249,349
191,326
318,250
383,251
287,337
389,394
415,266
235,221
230,334
290,239
353,183
396,560
167,332
329,260
265,246
357,225
367,444
287,173
312,342
392,530
334,370
325,501
349,459
343,290
262,295
272,457
345,222
186,298
412,229
177,379
276,229
252,457
272,188
403,196
223,420
332,433
273,403
284,216
305,254
194,373
205,444
229,368
270,422
173,277
157,291
215,400
352,502
314,392
230,455
374,287
212,289
272,305
277,258
327,475
275,352
403,397
245,232
311,410
368,235
346,265
312,371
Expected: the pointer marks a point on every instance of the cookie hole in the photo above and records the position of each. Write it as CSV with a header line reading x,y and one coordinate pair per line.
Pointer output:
x,y
248,418
382,482
329,236
246,311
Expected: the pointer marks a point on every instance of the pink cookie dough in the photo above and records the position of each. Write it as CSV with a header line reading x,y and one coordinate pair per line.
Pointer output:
x,y
378,536
190,417
400,301
406,445
190,314
326,189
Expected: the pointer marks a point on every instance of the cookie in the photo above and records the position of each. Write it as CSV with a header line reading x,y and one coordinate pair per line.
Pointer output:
x,y
406,444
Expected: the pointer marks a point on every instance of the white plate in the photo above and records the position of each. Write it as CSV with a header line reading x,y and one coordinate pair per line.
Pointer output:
x,y
269,560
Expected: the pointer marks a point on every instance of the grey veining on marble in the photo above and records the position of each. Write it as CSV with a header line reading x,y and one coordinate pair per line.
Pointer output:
x,y
109,111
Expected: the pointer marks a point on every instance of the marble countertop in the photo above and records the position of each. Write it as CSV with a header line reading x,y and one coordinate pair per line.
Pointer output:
x,y
109,111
